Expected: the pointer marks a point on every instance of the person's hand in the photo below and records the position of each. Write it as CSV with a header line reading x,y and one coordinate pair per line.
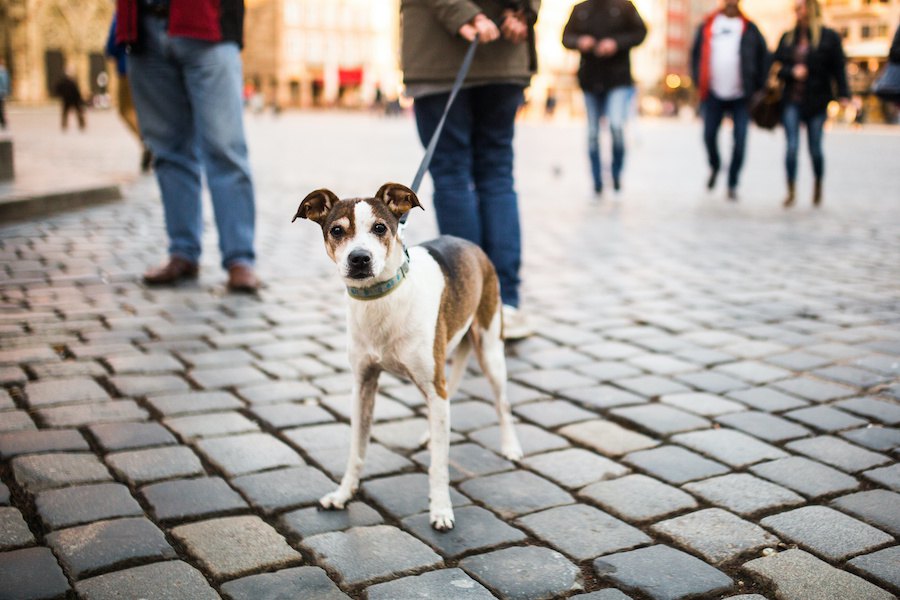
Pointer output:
x,y
514,27
844,102
586,43
800,72
606,47
481,26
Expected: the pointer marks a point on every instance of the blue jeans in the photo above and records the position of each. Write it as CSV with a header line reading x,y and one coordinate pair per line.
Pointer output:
x,y
614,105
188,97
791,119
472,171
714,110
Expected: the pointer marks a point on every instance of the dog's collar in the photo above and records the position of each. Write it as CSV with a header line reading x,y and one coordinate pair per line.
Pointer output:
x,y
382,288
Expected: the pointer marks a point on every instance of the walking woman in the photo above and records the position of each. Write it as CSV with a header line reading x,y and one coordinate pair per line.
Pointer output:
x,y
813,67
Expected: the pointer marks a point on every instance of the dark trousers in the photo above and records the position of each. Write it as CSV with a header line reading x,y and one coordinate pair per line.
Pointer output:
x,y
2,112
79,112
714,110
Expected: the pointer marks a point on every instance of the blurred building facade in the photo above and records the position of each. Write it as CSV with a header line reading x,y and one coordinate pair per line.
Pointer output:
x,y
867,27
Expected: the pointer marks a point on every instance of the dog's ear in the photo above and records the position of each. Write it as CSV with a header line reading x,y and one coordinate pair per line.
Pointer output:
x,y
398,198
316,206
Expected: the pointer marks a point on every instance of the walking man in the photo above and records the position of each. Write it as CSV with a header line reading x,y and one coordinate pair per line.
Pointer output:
x,y
604,32
728,60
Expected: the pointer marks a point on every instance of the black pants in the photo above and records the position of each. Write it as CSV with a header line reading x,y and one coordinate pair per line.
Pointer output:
x,y
79,111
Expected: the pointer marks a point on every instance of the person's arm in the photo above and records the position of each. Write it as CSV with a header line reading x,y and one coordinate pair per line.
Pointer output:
x,y
634,32
762,59
696,49
572,32
785,56
839,70
456,15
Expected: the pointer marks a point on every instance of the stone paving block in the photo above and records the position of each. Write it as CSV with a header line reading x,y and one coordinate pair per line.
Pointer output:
x,y
386,409
70,369
27,355
607,594
798,575
552,380
770,428
814,390
467,461
702,403
838,453
236,375
33,573
767,399
551,413
365,554
4,495
405,495
881,567
660,364
280,489
825,418
14,531
607,437
583,532
880,363
805,476
661,419
881,410
274,392
608,350
674,464
16,420
827,532
715,534
305,522
651,386
379,461
230,547
574,467
243,454
798,360
407,434
754,372
889,477
744,494
602,396
213,424
45,471
444,583
475,529
170,580
524,573
662,573
78,390
320,437
533,439
880,508
290,414
144,364
299,583
85,503
851,376
192,498
98,546
712,382
874,437
607,370
128,436
216,358
733,448
638,498
35,442
80,415
138,467
472,415
136,386
171,405
515,493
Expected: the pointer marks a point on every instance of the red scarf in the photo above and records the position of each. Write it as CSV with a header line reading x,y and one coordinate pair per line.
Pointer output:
x,y
706,50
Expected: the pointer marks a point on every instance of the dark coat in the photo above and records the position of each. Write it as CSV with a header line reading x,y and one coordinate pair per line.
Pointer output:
x,y
67,89
827,71
616,19
753,54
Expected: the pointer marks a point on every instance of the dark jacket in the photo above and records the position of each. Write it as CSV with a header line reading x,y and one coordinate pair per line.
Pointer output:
x,y
432,50
207,20
826,66
67,89
616,19
753,54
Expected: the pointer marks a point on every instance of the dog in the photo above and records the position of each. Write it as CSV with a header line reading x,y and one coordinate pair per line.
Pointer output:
x,y
409,310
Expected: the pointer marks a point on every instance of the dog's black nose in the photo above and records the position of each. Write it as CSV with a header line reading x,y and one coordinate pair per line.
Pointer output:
x,y
360,258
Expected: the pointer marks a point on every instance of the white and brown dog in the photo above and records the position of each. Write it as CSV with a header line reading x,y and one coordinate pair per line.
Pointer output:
x,y
409,311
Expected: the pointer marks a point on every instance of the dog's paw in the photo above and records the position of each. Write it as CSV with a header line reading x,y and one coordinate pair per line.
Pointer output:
x,y
336,500
512,450
442,519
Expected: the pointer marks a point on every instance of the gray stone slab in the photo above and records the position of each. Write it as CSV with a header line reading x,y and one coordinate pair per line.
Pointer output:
x,y
45,471
78,390
733,448
281,489
77,505
551,413
106,550
552,380
638,498
702,403
305,522
754,372
386,409
674,464
770,428
607,594
515,493
827,532
607,437
880,508
192,498
444,583
365,554
475,529
524,573
814,390
744,494
4,495
405,495
16,420
875,437
662,573
213,424
602,396
144,364
31,574
299,583
889,477
715,534
237,375
797,575
651,386
881,410
135,386
113,437
379,461
838,453
230,547
290,414
806,477
243,454
170,580
881,567
278,391
80,415
170,405
533,439
825,418
767,399
661,419
34,442
575,467
138,467
14,531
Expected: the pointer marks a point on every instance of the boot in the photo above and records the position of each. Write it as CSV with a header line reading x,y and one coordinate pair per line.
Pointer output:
x,y
817,193
789,200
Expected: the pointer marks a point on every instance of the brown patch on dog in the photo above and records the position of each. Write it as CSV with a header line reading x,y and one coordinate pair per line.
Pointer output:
x,y
316,206
398,198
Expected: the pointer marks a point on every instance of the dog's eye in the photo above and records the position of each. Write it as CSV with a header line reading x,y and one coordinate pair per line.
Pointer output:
x,y
336,231
379,229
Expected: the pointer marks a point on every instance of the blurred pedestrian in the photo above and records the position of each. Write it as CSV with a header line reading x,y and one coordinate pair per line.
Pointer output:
x,y
604,32
812,67
124,101
728,61
4,92
472,168
184,67
70,96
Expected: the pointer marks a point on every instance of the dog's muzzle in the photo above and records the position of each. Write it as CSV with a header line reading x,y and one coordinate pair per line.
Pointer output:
x,y
359,264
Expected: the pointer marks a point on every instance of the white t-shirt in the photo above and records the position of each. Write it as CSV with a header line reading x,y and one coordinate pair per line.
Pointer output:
x,y
725,57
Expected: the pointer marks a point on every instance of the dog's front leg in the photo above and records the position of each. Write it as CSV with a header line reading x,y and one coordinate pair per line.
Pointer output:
x,y
441,509
360,424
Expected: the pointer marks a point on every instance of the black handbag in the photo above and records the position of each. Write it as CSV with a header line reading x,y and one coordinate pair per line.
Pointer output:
x,y
887,86
765,104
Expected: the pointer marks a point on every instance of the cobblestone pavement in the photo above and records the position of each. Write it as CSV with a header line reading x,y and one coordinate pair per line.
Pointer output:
x,y
709,410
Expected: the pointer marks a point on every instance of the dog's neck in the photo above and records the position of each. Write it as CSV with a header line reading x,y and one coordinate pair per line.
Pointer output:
x,y
380,289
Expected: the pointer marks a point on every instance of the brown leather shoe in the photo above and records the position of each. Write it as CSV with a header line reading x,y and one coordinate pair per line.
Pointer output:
x,y
241,278
177,269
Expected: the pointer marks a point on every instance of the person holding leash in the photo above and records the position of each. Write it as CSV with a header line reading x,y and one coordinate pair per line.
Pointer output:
x,y
472,166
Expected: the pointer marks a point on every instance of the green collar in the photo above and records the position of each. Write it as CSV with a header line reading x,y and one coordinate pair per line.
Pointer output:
x,y
382,288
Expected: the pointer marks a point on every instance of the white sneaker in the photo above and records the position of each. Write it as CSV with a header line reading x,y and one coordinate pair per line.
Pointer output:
x,y
516,324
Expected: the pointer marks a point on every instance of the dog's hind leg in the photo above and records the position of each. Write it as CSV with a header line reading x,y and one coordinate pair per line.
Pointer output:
x,y
491,356
361,424
457,369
